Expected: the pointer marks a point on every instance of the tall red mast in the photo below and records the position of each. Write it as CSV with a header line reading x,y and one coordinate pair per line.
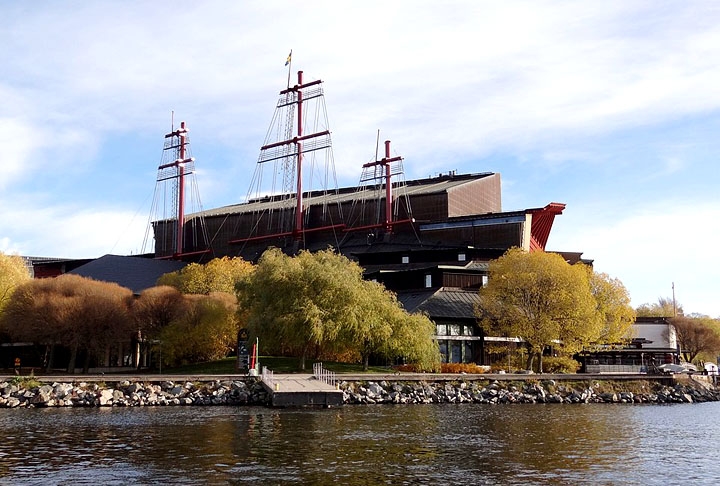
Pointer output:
x,y
297,140
386,164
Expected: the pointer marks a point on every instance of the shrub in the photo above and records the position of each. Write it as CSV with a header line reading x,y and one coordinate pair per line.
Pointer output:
x,y
470,368
560,364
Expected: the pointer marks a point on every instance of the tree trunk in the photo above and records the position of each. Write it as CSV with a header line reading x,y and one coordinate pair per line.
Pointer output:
x,y
51,358
302,359
73,357
86,364
530,359
540,360
366,361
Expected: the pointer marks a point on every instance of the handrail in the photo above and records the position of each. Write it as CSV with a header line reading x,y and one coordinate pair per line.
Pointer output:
x,y
326,376
267,377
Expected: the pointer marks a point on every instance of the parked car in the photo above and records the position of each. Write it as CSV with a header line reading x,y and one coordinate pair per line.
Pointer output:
x,y
671,368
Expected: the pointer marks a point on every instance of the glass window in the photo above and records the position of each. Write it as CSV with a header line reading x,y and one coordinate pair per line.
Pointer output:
x,y
428,281
405,259
484,280
455,329
468,356
456,352
461,257
441,330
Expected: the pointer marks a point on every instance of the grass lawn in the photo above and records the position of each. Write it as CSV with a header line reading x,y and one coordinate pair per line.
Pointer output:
x,y
276,364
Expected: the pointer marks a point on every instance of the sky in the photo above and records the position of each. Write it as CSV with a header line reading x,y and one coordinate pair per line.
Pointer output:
x,y
612,108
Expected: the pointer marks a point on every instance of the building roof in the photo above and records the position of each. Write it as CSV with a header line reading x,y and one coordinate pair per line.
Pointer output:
x,y
135,273
432,185
443,303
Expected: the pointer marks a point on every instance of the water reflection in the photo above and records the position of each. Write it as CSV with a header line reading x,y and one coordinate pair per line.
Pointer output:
x,y
419,444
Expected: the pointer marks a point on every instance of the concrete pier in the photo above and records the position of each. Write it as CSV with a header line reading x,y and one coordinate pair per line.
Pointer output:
x,y
302,391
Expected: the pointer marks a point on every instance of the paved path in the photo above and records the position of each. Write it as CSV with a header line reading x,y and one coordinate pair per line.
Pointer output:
x,y
300,383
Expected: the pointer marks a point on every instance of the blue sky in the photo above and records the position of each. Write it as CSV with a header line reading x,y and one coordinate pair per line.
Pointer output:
x,y
610,107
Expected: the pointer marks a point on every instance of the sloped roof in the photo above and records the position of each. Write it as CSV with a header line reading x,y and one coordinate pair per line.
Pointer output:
x,y
135,273
448,303
432,185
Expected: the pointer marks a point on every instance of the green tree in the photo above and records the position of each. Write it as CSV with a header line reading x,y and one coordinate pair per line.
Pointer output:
x,y
380,326
542,299
218,275
319,303
696,335
13,272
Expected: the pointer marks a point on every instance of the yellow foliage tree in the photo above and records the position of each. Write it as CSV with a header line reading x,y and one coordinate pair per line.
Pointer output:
x,y
545,301
13,272
218,275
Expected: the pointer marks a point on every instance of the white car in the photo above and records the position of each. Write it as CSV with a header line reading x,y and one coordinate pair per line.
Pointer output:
x,y
678,368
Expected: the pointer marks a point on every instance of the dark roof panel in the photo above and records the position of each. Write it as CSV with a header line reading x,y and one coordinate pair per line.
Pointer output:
x,y
135,273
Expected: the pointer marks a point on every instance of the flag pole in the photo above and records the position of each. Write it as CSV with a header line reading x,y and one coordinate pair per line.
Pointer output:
x,y
288,63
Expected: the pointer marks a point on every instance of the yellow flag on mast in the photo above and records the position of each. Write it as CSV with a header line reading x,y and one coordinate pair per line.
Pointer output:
x,y
289,58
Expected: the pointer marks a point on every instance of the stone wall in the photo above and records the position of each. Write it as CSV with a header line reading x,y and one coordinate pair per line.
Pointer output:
x,y
132,394
548,391
249,391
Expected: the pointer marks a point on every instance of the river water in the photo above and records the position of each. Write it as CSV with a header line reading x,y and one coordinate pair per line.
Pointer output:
x,y
363,445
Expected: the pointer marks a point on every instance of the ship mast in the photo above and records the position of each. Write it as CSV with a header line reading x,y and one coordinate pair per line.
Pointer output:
x,y
177,164
385,165
297,141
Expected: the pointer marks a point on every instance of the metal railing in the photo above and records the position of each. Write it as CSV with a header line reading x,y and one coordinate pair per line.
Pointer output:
x,y
613,368
267,377
324,375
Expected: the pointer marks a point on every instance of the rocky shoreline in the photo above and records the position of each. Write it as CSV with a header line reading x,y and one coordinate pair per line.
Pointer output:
x,y
132,394
546,391
250,391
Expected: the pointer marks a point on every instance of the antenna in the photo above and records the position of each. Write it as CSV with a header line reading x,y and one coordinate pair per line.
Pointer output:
x,y
377,144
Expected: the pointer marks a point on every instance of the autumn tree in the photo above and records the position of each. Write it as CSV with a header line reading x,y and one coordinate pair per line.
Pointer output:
x,y
205,331
155,308
319,302
664,307
218,275
72,311
13,272
696,335
545,301
613,305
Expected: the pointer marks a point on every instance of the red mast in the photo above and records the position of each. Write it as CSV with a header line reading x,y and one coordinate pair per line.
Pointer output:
x,y
178,142
297,140
386,163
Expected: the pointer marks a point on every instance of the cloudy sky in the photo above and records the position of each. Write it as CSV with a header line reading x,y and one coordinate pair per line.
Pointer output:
x,y
611,107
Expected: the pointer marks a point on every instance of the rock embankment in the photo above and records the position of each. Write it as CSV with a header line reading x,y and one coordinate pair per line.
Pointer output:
x,y
250,391
549,391
127,394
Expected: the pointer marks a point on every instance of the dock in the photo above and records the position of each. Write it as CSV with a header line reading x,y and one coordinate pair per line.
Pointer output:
x,y
301,390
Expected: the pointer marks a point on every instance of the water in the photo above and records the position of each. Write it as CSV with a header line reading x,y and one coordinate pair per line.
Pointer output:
x,y
363,445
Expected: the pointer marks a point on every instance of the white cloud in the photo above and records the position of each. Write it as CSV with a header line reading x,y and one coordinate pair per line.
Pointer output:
x,y
70,231
651,247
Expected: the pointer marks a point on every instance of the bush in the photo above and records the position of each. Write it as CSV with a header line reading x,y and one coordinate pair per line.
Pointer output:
x,y
470,368
560,364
